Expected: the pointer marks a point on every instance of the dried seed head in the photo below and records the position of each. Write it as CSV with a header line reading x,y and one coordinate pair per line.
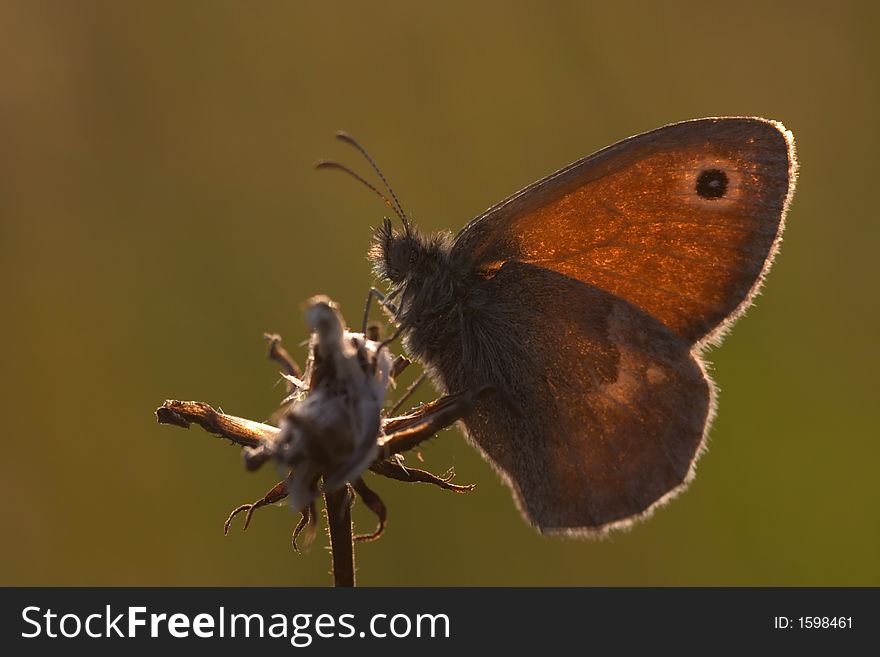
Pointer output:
x,y
332,427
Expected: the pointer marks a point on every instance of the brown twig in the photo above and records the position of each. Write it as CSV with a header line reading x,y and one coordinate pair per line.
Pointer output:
x,y
398,472
237,429
341,536
279,355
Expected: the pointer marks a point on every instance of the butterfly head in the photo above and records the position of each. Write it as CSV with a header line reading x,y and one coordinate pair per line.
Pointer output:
x,y
395,253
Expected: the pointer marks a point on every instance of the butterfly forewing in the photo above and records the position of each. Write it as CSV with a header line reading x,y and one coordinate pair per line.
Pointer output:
x,y
681,221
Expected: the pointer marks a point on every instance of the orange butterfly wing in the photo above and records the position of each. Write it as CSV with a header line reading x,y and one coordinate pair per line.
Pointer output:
x,y
682,221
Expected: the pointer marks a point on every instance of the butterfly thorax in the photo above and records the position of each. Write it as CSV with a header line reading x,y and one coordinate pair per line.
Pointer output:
x,y
453,324
430,288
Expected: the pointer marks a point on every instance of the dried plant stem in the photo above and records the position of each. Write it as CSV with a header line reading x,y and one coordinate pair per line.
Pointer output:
x,y
341,536
237,429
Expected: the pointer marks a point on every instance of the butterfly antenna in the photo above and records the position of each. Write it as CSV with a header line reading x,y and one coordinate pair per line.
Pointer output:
x,y
351,141
329,164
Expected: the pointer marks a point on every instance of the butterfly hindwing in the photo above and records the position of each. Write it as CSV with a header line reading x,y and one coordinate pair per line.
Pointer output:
x,y
612,406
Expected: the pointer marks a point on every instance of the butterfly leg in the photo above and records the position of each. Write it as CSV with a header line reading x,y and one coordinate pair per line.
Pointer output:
x,y
409,391
372,294
400,363
383,299
277,493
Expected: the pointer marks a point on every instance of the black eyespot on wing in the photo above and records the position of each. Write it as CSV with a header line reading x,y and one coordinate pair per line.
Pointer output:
x,y
712,183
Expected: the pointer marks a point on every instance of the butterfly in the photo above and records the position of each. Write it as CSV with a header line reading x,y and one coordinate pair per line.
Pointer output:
x,y
585,301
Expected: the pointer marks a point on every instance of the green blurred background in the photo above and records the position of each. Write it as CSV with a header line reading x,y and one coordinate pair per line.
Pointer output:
x,y
159,212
